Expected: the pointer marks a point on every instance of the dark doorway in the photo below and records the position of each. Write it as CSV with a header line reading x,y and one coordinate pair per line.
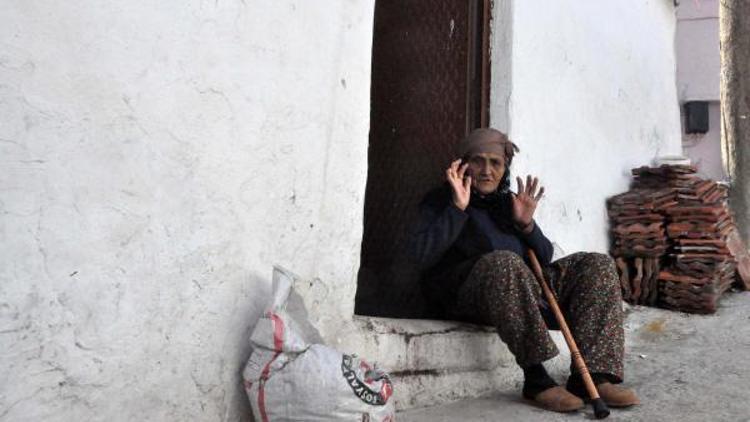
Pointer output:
x,y
430,87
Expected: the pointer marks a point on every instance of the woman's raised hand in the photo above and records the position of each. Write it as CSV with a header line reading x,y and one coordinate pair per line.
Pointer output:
x,y
525,201
460,185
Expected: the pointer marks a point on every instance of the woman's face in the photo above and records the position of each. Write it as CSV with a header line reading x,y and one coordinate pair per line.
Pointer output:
x,y
486,170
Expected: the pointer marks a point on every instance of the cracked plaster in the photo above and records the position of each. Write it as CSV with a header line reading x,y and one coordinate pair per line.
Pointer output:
x,y
157,158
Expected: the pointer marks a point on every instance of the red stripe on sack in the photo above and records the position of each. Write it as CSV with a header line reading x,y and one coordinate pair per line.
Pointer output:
x,y
278,341
278,332
262,390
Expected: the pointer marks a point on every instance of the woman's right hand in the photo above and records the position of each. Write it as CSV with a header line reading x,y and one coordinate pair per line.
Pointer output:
x,y
460,185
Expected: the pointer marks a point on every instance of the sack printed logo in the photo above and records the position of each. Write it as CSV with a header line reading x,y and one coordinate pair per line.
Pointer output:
x,y
360,388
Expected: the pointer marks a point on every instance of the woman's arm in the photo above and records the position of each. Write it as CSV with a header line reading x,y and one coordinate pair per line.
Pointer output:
x,y
538,242
440,224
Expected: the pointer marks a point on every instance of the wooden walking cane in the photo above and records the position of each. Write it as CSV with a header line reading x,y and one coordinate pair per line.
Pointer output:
x,y
601,410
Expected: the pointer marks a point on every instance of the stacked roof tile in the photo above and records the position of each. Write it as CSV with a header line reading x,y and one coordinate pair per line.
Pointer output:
x,y
671,235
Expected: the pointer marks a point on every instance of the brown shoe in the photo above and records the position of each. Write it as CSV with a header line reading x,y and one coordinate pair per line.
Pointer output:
x,y
616,396
558,399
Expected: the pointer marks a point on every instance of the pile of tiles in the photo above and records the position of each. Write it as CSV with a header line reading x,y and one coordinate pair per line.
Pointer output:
x,y
639,240
670,239
702,266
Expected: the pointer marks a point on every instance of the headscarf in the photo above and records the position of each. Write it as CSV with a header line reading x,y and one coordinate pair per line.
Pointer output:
x,y
487,140
498,203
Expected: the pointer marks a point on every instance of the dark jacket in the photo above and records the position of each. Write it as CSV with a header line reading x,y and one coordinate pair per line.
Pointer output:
x,y
447,243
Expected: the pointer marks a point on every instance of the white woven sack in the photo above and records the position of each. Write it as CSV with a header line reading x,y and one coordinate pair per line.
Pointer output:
x,y
288,379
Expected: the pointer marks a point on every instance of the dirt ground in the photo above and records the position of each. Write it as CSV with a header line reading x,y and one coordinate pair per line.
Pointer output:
x,y
684,367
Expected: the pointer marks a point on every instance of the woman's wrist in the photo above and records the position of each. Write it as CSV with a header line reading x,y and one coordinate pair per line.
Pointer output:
x,y
525,228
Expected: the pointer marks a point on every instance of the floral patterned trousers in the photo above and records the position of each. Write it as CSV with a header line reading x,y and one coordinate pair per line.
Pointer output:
x,y
501,291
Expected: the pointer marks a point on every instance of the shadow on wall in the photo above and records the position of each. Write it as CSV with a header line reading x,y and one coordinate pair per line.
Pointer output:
x,y
296,313
260,301
255,308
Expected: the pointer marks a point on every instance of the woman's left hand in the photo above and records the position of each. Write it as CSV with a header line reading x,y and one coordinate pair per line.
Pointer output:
x,y
525,201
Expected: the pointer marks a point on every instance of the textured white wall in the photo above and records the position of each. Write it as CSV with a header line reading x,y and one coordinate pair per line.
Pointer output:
x,y
697,9
592,93
698,77
156,158
697,44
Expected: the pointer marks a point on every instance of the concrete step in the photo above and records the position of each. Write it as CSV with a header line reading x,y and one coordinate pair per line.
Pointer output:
x,y
436,362
433,389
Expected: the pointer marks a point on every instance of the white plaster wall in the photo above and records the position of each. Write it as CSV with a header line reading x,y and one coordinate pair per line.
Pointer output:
x,y
697,44
697,9
156,158
592,94
698,79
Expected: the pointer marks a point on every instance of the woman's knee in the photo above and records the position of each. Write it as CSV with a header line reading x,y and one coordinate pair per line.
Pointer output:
x,y
600,267
502,259
505,269
600,260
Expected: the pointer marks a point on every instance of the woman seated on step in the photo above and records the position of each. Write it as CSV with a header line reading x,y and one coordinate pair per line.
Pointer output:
x,y
471,244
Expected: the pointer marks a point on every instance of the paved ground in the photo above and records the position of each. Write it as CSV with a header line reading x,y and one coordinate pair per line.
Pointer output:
x,y
685,368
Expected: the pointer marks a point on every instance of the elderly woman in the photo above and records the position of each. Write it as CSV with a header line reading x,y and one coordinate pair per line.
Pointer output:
x,y
471,245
